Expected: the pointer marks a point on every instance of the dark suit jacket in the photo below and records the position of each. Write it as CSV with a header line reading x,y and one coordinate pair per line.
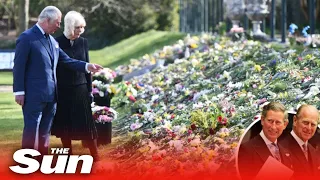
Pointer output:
x,y
302,168
34,70
254,153
79,50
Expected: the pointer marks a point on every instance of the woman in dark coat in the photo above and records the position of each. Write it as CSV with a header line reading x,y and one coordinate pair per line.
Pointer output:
x,y
73,119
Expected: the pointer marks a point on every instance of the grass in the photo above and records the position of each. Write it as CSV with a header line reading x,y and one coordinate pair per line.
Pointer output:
x,y
11,126
133,47
121,53
6,78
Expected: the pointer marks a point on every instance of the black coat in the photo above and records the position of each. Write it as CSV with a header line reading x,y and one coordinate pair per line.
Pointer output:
x,y
79,51
302,168
73,118
253,154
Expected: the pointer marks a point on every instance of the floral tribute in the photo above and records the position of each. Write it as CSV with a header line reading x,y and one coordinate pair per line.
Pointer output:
x,y
103,114
188,116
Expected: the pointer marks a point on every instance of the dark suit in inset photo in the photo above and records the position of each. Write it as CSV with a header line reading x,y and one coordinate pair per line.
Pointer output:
x,y
303,168
254,153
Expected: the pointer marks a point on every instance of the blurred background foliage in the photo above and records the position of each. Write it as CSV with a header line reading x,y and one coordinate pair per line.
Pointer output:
x,y
108,21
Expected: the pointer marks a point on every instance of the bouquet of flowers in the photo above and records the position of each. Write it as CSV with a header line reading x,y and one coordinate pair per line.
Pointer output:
x,y
102,90
106,76
103,114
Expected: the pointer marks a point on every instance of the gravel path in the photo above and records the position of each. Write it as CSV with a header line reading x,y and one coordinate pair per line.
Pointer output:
x,y
5,88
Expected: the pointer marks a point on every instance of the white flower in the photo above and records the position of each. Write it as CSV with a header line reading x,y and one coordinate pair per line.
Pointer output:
x,y
149,116
101,94
198,105
226,75
154,97
312,92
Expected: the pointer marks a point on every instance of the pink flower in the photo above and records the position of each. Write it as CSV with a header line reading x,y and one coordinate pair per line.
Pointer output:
x,y
254,86
132,98
95,91
114,74
104,118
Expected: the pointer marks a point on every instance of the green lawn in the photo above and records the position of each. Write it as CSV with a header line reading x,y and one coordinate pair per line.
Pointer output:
x,y
11,126
133,47
6,78
121,53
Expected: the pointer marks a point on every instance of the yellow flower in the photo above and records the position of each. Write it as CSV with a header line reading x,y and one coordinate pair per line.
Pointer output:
x,y
196,38
187,92
223,134
235,54
144,149
234,145
153,60
162,55
113,89
172,108
158,119
257,68
128,93
193,45
308,57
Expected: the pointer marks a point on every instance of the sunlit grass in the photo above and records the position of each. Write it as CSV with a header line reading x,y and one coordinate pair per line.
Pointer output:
x,y
121,53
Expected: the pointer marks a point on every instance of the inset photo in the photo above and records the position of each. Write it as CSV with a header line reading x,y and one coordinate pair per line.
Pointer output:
x,y
280,144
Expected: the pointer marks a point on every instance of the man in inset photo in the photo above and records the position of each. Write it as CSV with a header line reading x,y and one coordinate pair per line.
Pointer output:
x,y
304,157
253,154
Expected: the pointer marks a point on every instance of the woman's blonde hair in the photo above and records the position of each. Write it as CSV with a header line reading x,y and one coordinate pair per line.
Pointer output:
x,y
71,21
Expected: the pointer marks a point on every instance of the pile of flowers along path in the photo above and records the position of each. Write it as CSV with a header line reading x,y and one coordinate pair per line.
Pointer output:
x,y
188,116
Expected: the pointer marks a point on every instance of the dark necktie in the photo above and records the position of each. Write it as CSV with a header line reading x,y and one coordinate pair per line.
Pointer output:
x,y
276,152
49,42
305,151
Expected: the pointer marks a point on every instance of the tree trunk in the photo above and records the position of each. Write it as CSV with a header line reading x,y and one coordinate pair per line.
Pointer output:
x,y
23,16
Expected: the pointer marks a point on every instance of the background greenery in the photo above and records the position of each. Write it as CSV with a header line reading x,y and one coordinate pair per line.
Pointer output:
x,y
108,21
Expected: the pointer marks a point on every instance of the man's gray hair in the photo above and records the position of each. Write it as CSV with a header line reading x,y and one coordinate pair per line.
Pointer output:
x,y
72,20
50,12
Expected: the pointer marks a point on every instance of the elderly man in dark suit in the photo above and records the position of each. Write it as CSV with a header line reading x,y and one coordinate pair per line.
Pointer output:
x,y
34,77
253,154
304,157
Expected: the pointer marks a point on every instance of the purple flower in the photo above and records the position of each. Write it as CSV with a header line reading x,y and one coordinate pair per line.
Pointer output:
x,y
273,63
95,91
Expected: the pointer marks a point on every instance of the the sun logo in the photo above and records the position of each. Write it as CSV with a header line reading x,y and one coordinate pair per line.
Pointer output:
x,y
61,166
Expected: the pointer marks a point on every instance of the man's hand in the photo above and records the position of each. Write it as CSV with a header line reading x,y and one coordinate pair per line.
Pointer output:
x,y
94,67
20,99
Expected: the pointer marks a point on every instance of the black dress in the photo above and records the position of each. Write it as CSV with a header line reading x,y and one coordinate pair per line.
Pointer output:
x,y
73,119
